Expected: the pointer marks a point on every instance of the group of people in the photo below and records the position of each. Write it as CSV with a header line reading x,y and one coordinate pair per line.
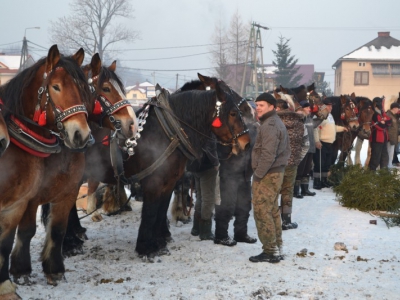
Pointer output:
x,y
286,145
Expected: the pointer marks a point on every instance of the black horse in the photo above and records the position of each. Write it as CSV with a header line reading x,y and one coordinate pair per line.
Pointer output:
x,y
195,112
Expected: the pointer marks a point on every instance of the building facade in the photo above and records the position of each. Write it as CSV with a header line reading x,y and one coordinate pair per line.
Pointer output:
x,y
373,70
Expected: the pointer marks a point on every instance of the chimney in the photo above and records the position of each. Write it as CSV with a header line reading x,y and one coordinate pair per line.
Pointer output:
x,y
384,33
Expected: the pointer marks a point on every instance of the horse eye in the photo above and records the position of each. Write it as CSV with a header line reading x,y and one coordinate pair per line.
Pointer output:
x,y
233,114
106,90
56,87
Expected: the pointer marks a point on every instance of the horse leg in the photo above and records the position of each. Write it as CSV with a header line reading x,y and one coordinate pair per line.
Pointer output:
x,y
161,228
21,266
358,147
74,236
92,201
9,220
146,244
51,257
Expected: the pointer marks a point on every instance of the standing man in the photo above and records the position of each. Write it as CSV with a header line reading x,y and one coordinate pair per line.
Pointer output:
x,y
299,144
269,157
393,131
324,135
379,136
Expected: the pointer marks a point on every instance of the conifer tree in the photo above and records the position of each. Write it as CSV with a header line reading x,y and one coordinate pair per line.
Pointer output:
x,y
286,64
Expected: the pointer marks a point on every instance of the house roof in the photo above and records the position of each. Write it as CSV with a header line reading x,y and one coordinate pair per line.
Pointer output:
x,y
384,47
11,62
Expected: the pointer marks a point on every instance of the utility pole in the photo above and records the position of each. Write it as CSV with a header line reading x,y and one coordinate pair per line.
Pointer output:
x,y
253,45
24,51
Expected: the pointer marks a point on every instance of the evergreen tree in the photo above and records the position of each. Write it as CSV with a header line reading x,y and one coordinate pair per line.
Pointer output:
x,y
286,64
321,86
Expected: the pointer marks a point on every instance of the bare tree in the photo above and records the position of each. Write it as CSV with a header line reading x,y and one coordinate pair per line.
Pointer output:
x,y
93,26
219,52
237,36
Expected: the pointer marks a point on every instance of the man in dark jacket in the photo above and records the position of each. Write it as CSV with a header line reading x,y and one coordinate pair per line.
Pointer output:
x,y
235,185
269,157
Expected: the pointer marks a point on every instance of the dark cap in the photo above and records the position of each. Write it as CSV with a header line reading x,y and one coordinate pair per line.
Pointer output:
x,y
268,98
327,101
304,103
377,99
394,105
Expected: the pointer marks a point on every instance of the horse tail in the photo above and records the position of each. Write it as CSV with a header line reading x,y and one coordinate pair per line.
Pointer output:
x,y
44,217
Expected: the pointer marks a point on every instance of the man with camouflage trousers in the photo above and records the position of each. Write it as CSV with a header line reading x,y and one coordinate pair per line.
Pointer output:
x,y
269,157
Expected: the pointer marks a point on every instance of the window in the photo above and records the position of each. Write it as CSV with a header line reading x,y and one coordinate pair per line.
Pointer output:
x,y
380,69
361,64
361,78
395,69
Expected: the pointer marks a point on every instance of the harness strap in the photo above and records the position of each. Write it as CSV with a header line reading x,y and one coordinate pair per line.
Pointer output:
x,y
172,127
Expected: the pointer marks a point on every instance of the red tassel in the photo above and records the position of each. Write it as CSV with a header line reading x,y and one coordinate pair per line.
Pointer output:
x,y
97,108
37,113
42,119
315,109
342,116
106,141
216,123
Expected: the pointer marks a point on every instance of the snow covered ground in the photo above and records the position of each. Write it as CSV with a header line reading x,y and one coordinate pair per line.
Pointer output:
x,y
110,269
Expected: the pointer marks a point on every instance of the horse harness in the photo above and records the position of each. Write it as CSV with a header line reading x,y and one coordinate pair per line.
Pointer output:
x,y
33,143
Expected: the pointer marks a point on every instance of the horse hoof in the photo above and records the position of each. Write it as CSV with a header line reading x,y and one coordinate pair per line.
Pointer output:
x,y
24,280
10,296
53,279
97,217
169,239
8,291
148,258
163,251
82,236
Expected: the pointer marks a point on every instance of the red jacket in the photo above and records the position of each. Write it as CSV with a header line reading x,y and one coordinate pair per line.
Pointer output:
x,y
379,131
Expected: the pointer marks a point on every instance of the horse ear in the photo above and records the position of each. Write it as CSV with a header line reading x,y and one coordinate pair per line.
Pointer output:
x,y
79,56
52,58
201,77
343,99
95,64
353,96
311,87
113,66
276,95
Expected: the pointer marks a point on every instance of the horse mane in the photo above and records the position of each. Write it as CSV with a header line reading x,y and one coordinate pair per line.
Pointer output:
x,y
298,89
106,74
195,107
191,85
12,93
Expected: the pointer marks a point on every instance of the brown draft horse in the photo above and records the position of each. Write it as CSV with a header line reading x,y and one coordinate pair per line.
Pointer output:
x,y
4,137
195,111
45,107
112,111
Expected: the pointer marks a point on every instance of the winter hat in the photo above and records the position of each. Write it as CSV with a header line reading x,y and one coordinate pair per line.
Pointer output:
x,y
394,105
304,103
268,98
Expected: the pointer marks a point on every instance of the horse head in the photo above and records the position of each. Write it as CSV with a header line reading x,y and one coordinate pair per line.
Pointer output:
x,y
50,99
289,96
246,109
111,108
318,108
349,112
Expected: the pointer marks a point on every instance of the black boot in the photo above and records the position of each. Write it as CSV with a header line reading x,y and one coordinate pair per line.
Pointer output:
x,y
304,187
205,230
296,190
325,183
317,184
195,229
227,241
287,222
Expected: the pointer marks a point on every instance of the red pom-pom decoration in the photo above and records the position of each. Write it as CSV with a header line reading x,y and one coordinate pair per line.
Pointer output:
x,y
37,113
97,108
216,123
42,119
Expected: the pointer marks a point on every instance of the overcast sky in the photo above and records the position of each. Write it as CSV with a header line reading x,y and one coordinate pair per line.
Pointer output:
x,y
320,31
